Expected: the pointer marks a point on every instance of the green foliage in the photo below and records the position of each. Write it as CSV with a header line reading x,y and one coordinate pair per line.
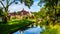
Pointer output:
x,y
29,3
42,13
50,31
45,22
51,7
49,2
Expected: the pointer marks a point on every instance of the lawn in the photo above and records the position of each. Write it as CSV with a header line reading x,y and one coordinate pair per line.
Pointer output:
x,y
14,25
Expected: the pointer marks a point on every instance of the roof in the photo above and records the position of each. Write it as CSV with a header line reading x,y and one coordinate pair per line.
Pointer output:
x,y
24,12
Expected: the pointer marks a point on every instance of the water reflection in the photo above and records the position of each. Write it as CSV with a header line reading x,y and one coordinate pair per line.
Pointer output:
x,y
33,30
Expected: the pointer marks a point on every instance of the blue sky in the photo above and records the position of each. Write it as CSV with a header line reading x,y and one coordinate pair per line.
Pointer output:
x,y
19,7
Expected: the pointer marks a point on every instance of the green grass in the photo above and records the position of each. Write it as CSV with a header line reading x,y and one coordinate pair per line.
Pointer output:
x,y
13,26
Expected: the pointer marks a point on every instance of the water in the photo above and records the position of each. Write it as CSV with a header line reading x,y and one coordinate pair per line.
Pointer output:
x,y
33,30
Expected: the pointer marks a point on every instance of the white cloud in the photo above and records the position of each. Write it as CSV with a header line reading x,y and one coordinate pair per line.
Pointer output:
x,y
15,7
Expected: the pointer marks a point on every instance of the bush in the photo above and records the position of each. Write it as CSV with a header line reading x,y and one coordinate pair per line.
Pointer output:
x,y
49,31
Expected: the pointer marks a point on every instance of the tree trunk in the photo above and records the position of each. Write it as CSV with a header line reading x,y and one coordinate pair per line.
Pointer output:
x,y
4,19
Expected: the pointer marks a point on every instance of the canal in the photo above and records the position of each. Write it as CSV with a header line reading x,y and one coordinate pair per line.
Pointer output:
x,y
32,30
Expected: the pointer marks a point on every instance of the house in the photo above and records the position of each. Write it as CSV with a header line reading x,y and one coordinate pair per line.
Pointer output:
x,y
20,14
14,16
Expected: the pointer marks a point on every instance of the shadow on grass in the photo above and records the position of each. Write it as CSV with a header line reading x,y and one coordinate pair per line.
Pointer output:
x,y
21,25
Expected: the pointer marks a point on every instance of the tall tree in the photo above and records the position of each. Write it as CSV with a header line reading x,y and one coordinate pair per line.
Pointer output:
x,y
5,7
51,5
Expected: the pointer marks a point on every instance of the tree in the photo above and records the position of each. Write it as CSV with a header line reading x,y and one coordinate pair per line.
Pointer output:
x,y
6,9
42,12
8,3
51,5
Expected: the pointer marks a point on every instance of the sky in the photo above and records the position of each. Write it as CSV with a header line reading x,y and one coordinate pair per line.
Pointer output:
x,y
19,7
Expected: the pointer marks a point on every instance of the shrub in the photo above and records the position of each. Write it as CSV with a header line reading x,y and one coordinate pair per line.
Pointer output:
x,y
49,31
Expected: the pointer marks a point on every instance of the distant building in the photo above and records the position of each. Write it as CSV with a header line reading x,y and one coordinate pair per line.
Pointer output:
x,y
20,15
14,16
